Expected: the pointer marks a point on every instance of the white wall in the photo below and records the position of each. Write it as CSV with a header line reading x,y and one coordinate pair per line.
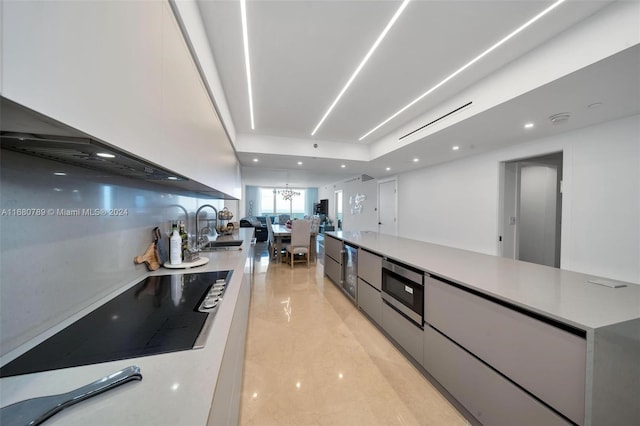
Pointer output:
x,y
457,204
601,222
367,219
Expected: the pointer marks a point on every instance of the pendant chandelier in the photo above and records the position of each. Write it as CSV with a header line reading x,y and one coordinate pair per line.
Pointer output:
x,y
287,194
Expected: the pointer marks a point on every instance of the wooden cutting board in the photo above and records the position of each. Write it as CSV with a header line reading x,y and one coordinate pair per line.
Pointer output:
x,y
149,258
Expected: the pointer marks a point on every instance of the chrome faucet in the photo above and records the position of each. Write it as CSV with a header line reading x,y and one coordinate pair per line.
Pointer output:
x,y
186,216
198,236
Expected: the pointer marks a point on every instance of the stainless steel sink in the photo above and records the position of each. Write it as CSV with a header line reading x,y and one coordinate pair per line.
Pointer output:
x,y
222,245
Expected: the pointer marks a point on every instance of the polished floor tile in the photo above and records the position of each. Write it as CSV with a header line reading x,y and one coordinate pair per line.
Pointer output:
x,y
313,358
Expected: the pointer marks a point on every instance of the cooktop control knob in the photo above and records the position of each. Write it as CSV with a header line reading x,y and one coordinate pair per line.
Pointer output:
x,y
210,302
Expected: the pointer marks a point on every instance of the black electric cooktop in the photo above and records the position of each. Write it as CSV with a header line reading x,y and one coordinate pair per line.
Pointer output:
x,y
158,315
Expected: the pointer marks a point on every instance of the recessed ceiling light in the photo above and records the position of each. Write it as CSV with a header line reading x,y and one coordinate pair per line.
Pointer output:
x,y
59,173
255,160
57,189
343,166
455,148
362,64
415,160
105,155
467,65
247,63
172,178
388,168
299,163
528,126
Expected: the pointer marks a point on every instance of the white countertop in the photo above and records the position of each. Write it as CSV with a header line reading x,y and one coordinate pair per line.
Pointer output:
x,y
176,389
559,294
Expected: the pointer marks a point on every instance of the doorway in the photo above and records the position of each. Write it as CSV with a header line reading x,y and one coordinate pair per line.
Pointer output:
x,y
531,209
388,206
337,209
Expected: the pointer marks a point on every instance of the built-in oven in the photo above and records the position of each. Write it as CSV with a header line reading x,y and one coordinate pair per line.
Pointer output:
x,y
403,289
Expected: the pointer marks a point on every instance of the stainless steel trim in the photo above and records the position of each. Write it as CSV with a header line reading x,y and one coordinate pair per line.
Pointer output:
x,y
404,272
204,333
390,300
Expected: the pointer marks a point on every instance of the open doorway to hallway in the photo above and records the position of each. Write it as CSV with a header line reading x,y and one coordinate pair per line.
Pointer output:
x,y
337,213
531,209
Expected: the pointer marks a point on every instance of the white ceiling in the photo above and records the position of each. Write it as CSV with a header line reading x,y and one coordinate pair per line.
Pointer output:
x,y
303,52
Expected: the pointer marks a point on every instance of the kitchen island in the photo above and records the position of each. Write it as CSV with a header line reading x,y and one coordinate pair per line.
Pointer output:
x,y
513,341
177,387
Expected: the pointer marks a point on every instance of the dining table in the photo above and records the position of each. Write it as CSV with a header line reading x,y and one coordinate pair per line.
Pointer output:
x,y
281,232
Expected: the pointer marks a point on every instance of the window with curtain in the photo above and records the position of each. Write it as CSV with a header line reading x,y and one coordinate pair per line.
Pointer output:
x,y
271,202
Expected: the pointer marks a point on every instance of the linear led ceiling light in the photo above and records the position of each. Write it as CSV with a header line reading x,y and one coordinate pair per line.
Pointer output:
x,y
364,61
245,42
467,65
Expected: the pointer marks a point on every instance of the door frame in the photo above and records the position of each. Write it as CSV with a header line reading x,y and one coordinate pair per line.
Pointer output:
x,y
393,179
555,158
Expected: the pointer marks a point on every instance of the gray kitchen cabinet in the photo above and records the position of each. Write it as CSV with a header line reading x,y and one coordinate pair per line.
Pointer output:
x,y
491,398
333,248
546,360
403,331
370,268
369,301
333,259
333,270
158,99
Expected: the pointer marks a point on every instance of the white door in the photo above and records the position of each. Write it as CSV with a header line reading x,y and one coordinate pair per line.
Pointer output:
x,y
537,224
387,207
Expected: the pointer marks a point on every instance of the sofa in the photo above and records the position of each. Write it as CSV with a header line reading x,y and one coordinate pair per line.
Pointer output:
x,y
258,222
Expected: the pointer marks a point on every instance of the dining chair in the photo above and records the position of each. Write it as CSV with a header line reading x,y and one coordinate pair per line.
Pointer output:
x,y
315,224
300,245
271,240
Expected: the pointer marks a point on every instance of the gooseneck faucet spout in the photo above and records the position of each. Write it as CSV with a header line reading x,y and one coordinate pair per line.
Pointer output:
x,y
198,236
186,215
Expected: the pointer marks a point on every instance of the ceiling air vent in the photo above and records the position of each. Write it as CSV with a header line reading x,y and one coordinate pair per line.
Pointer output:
x,y
436,120
560,118
362,178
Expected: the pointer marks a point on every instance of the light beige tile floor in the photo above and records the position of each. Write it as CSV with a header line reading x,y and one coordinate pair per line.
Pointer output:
x,y
313,358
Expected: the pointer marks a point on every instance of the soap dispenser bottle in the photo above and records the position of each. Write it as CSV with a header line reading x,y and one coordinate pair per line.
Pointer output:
x,y
175,254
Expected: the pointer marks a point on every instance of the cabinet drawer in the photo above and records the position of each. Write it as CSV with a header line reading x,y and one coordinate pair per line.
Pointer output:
x,y
369,301
370,268
333,248
546,360
403,331
332,269
491,398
